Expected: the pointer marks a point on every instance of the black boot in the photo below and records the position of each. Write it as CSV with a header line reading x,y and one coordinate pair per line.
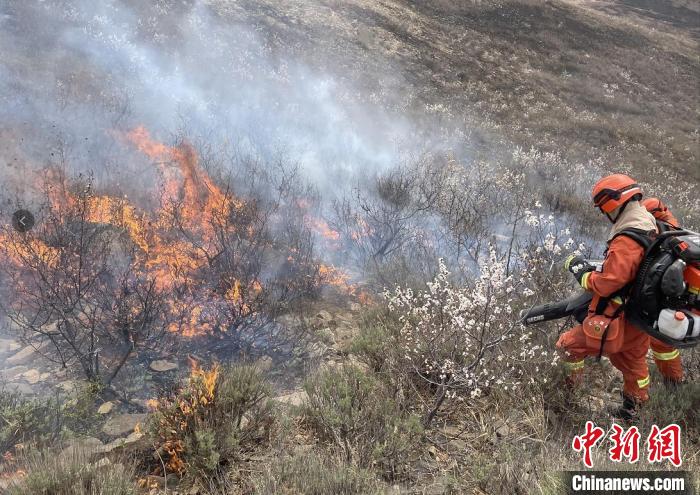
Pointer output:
x,y
627,411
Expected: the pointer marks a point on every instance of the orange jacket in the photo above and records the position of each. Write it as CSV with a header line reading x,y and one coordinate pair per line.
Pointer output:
x,y
623,257
619,269
661,212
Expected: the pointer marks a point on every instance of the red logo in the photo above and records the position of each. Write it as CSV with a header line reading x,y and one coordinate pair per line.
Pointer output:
x,y
587,441
662,444
625,444
665,444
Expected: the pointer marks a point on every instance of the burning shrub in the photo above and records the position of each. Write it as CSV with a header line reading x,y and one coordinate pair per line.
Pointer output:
x,y
460,341
77,290
309,474
355,413
384,226
99,277
228,239
212,420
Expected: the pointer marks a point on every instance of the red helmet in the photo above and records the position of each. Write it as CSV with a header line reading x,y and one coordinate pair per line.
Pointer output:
x,y
613,191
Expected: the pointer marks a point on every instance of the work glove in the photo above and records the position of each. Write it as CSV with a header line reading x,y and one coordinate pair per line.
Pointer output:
x,y
579,267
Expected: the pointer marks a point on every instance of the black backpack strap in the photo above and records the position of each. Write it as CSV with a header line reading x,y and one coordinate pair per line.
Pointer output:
x,y
664,226
644,238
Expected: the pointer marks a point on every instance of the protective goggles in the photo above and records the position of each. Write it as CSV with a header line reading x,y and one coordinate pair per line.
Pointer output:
x,y
606,195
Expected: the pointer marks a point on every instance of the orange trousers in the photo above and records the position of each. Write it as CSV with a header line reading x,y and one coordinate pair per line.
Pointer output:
x,y
631,360
668,361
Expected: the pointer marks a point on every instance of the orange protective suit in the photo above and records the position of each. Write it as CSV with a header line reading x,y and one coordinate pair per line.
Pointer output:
x,y
619,269
666,357
660,211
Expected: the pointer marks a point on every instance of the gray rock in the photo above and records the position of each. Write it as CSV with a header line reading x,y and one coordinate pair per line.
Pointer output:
x,y
123,424
162,366
105,408
13,373
125,442
21,388
295,398
9,345
82,445
69,386
34,376
22,356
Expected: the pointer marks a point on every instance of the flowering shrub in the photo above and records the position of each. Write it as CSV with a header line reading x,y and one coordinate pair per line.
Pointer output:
x,y
461,341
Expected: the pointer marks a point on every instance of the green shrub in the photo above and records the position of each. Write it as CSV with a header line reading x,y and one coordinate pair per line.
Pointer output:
x,y
24,421
211,420
41,422
373,346
52,474
354,412
79,412
309,474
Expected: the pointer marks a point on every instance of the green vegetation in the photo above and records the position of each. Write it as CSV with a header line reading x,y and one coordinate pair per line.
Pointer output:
x,y
52,474
354,412
308,473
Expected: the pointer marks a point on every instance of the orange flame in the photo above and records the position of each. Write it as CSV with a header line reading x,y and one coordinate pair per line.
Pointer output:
x,y
191,203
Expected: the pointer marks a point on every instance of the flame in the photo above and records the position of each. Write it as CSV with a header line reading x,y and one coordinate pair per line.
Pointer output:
x,y
333,276
177,416
321,226
173,243
208,380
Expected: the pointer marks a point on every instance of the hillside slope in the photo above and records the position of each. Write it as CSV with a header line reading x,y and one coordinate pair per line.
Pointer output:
x,y
617,79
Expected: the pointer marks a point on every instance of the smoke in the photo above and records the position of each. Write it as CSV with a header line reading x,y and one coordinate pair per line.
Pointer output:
x,y
74,71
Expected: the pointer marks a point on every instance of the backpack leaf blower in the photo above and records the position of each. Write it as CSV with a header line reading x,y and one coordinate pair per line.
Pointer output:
x,y
663,300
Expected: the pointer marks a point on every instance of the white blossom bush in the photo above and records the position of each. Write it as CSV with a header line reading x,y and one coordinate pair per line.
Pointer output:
x,y
546,243
463,341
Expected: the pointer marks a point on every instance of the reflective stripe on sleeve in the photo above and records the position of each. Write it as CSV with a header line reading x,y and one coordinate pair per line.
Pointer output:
x,y
644,382
584,280
666,356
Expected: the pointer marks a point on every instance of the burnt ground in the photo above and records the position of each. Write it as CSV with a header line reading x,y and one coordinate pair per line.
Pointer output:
x,y
594,78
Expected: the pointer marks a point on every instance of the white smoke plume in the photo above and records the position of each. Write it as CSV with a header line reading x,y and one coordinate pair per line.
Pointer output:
x,y
74,71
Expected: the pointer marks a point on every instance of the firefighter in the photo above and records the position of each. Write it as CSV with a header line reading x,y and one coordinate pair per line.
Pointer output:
x,y
666,357
605,331
665,219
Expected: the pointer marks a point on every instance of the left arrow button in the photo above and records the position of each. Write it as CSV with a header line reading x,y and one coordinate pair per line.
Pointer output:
x,y
22,220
